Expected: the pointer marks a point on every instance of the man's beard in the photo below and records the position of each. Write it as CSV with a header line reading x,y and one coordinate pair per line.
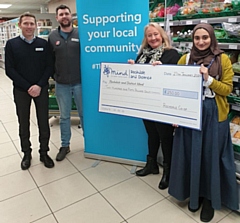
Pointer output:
x,y
65,25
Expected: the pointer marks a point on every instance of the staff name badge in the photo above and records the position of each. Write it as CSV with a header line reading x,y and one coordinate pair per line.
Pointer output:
x,y
74,40
38,49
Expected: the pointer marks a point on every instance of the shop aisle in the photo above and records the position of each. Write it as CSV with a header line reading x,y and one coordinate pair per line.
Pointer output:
x,y
74,191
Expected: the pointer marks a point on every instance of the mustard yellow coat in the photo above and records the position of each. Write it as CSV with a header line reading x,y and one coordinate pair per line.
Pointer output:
x,y
222,88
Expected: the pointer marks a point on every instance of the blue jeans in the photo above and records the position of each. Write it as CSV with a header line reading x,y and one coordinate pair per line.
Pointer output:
x,y
64,94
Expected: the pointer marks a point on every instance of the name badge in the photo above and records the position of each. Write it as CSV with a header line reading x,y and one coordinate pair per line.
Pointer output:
x,y
75,40
38,49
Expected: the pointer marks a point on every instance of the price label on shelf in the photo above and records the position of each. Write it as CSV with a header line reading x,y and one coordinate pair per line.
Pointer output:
x,y
188,22
204,21
235,108
233,47
235,79
232,20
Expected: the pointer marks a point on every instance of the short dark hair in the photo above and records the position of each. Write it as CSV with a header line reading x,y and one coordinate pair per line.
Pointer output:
x,y
27,14
62,7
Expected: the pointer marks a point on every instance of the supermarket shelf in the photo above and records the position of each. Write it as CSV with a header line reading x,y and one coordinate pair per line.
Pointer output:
x,y
44,27
230,19
224,46
236,78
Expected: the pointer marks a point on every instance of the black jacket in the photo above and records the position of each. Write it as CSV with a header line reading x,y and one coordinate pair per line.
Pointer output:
x,y
66,54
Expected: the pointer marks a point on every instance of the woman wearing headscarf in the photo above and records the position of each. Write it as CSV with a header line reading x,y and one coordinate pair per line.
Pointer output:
x,y
156,49
203,167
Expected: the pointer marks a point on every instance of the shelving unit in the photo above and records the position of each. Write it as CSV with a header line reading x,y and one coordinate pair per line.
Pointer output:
x,y
8,30
43,31
224,46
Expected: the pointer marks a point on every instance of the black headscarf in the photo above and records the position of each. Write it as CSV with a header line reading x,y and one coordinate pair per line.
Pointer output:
x,y
205,56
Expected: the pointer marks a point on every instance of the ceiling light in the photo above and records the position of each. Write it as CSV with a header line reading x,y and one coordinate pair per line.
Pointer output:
x,y
4,6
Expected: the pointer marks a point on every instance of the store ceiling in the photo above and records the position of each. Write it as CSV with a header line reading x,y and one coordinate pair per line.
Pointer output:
x,y
20,6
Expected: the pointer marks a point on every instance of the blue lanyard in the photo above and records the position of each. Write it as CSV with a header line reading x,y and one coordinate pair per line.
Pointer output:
x,y
209,65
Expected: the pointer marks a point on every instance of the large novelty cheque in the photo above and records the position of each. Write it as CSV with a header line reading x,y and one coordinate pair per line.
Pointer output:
x,y
166,93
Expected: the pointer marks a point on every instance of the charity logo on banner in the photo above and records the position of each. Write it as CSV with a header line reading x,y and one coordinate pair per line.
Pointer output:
x,y
110,31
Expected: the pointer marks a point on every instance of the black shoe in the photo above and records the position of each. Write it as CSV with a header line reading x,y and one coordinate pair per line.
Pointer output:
x,y
207,212
200,200
62,153
26,161
46,159
165,177
150,168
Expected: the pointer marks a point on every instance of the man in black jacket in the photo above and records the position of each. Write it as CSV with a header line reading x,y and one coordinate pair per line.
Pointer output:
x,y
65,48
29,65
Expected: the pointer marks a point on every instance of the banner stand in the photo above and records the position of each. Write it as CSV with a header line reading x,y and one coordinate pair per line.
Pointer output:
x,y
110,31
114,159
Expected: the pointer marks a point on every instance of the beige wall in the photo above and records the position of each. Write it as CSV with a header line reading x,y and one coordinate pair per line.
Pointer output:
x,y
53,4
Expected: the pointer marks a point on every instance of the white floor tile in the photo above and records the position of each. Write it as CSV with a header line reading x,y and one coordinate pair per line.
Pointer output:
x,y
43,175
2,128
14,134
94,209
8,117
10,164
24,208
233,217
153,180
15,183
48,219
131,197
66,191
4,137
106,175
163,211
77,142
7,149
79,161
9,126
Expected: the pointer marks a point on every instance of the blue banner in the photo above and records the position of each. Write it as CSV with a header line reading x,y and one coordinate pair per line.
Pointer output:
x,y
110,31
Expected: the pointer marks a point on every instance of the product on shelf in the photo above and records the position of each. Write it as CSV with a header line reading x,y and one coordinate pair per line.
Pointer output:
x,y
236,67
232,30
235,130
157,10
236,120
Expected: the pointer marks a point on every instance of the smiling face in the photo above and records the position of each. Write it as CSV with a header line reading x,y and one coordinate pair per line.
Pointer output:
x,y
64,18
153,36
201,39
28,26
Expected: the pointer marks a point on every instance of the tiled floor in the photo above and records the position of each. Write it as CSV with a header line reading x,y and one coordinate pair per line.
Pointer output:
x,y
74,190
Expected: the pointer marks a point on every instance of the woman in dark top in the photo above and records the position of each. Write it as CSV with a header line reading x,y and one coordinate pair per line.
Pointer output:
x,y
156,49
